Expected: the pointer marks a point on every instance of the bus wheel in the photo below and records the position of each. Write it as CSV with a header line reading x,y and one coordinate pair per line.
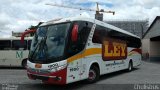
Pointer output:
x,y
130,66
24,63
93,75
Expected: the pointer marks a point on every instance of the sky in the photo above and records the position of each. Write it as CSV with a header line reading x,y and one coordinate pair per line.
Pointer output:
x,y
18,15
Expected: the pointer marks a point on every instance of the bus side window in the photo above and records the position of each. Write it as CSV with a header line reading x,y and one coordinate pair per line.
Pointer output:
x,y
84,29
16,45
131,41
5,45
99,35
102,33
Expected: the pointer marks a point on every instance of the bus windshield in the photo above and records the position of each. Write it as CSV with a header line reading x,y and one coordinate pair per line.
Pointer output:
x,y
48,43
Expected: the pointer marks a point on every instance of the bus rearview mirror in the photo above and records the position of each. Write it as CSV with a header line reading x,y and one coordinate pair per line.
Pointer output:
x,y
74,34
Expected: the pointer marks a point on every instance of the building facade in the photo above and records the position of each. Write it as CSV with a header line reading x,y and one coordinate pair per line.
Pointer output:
x,y
151,41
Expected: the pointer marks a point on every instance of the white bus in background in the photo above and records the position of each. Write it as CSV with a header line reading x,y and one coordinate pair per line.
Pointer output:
x,y
75,49
13,53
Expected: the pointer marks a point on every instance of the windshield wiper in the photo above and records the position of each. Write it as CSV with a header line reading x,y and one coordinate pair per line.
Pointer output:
x,y
42,47
38,44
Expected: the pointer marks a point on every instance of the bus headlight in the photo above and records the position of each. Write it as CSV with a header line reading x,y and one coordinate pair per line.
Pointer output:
x,y
57,68
61,67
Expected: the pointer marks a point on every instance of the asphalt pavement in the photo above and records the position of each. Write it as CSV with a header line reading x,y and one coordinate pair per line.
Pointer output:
x,y
145,76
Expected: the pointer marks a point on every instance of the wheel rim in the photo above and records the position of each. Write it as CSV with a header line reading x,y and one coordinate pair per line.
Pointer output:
x,y
92,75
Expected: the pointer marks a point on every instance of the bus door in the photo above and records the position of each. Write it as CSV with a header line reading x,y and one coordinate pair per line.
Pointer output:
x,y
83,68
77,49
74,68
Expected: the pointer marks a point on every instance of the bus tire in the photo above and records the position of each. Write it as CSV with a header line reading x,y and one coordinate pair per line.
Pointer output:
x,y
93,74
24,63
130,66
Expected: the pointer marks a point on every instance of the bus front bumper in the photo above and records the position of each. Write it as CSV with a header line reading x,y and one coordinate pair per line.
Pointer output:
x,y
58,77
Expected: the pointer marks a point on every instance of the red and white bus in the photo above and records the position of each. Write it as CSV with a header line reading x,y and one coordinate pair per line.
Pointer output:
x,y
74,49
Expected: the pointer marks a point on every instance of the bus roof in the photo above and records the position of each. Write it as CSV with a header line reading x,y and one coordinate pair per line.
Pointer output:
x,y
89,20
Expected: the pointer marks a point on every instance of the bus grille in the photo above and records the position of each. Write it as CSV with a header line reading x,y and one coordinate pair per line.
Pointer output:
x,y
39,71
39,77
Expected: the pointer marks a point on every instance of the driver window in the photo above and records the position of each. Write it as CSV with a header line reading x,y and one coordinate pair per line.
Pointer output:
x,y
84,29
